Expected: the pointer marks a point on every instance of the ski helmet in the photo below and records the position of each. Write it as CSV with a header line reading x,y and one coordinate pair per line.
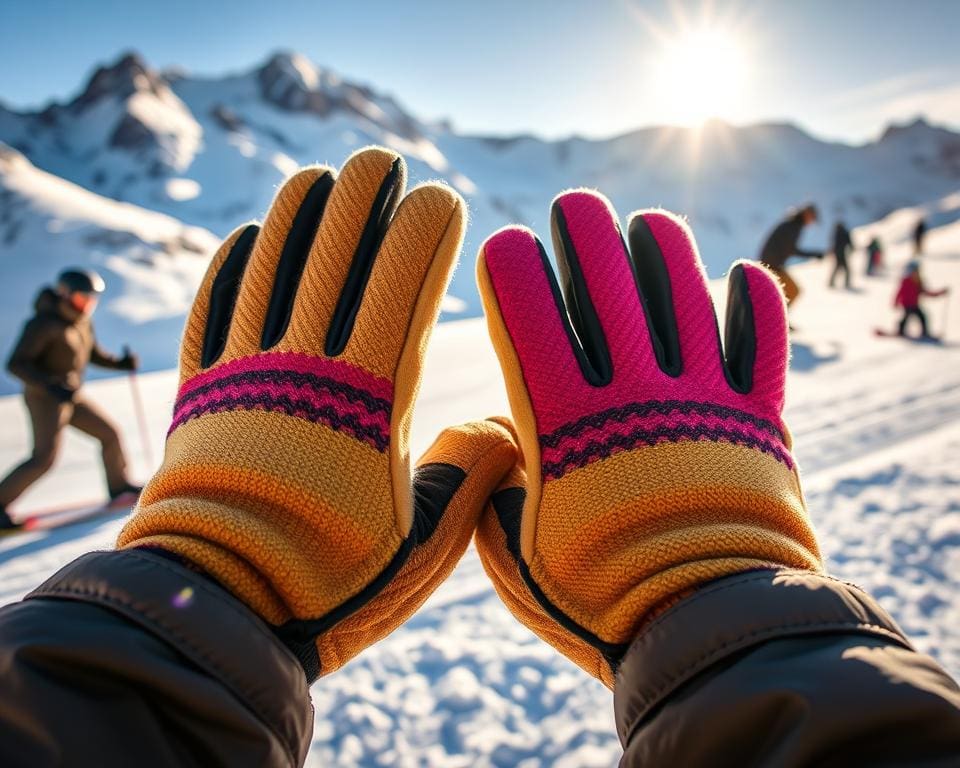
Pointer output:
x,y
912,266
81,281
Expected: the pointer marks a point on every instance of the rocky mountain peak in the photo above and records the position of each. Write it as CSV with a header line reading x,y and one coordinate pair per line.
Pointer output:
x,y
125,77
292,82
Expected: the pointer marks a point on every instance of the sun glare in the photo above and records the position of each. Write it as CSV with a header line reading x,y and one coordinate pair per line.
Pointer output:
x,y
700,74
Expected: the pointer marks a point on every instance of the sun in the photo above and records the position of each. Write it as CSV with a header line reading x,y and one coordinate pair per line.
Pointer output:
x,y
699,74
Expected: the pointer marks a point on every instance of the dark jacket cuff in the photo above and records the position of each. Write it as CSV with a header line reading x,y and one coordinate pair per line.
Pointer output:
x,y
733,614
202,622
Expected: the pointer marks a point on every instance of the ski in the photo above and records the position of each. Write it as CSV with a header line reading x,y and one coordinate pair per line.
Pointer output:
x,y
885,334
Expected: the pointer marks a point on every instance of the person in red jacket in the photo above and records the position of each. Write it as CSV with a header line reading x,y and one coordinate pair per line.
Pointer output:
x,y
908,297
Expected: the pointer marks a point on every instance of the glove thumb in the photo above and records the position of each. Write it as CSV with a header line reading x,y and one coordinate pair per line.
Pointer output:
x,y
498,545
451,485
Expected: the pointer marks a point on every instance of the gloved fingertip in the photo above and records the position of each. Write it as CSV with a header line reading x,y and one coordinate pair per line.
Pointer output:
x,y
465,445
507,423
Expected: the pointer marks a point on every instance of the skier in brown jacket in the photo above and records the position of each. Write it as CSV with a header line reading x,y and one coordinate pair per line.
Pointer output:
x,y
284,533
781,244
50,358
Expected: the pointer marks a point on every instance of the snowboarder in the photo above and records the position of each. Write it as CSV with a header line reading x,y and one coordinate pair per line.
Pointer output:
x,y
874,257
842,244
50,359
781,244
908,296
919,232
277,543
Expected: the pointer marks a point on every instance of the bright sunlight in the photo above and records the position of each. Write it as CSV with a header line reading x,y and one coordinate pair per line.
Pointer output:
x,y
700,74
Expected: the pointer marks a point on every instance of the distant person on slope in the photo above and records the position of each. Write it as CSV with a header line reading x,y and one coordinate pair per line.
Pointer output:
x,y
781,244
842,244
919,232
50,359
908,297
874,257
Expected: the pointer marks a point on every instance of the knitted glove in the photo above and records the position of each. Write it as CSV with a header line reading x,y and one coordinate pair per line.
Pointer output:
x,y
652,462
286,472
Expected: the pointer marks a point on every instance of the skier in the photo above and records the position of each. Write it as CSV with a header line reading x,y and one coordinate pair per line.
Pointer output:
x,y
908,296
919,232
781,244
874,257
50,358
841,245
662,545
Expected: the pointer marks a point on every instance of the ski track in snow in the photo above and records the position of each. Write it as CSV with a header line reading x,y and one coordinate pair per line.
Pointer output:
x,y
876,424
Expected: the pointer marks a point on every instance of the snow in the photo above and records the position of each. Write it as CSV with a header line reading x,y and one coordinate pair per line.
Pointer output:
x,y
179,134
877,429
182,189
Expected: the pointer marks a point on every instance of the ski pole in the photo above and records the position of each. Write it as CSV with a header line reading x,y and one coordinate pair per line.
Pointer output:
x,y
141,419
946,308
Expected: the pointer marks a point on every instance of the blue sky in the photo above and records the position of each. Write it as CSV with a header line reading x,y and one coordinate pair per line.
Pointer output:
x,y
557,67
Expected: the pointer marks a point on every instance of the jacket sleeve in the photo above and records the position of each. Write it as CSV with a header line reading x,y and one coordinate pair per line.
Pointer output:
x,y
782,244
783,668
792,233
103,359
898,300
127,658
37,334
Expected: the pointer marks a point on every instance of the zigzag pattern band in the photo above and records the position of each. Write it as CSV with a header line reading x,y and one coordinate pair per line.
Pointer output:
x,y
635,425
336,394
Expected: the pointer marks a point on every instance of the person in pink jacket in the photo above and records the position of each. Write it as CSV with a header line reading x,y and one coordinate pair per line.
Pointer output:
x,y
908,297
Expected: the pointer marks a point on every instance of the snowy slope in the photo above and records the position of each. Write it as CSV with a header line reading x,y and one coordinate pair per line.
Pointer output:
x,y
152,262
211,150
877,429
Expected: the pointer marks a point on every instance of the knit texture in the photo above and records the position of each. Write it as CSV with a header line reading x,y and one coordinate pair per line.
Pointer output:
x,y
286,472
638,490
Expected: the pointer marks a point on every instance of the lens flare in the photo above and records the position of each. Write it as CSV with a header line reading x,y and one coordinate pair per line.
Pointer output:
x,y
183,598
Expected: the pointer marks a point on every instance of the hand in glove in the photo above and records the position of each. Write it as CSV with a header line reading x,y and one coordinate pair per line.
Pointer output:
x,y
286,474
653,462
129,361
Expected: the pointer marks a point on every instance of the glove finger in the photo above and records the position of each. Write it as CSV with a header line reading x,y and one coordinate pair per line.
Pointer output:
x,y
205,333
361,204
498,545
279,253
399,308
596,273
674,286
756,339
451,485
544,367
527,317
407,282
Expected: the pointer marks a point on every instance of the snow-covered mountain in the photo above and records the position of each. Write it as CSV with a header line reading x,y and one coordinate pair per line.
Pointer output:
x,y
210,152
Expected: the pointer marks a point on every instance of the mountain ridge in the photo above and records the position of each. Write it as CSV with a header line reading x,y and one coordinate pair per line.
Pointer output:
x,y
210,151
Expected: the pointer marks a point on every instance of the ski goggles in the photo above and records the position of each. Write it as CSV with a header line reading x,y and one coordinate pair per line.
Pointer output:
x,y
83,302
